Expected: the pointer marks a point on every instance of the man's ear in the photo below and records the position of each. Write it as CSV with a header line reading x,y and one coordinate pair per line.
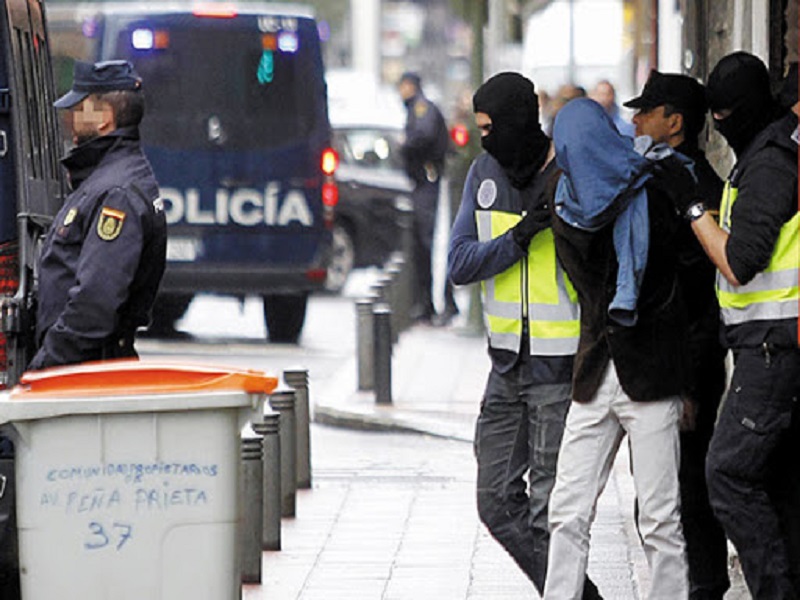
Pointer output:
x,y
675,123
109,121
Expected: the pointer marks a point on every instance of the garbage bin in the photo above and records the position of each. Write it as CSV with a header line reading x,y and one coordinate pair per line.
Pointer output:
x,y
127,479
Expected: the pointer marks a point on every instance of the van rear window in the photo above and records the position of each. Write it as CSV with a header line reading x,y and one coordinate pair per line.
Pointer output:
x,y
224,82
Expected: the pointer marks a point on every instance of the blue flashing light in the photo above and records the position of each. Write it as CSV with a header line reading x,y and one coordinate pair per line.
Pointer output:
x,y
324,31
288,42
142,39
266,67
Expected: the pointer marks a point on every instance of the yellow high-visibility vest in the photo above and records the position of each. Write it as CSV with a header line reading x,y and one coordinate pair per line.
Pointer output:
x,y
536,288
773,293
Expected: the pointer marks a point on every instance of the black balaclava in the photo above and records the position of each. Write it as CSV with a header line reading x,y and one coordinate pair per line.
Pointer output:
x,y
740,82
516,139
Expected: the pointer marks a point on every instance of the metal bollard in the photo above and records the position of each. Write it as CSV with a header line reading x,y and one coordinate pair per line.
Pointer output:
x,y
404,291
387,281
269,428
250,499
298,379
382,315
407,246
394,269
283,401
364,338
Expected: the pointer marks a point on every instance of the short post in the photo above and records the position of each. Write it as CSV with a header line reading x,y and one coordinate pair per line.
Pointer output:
x,y
298,379
269,429
250,499
404,290
394,269
386,280
407,246
283,402
382,316
364,335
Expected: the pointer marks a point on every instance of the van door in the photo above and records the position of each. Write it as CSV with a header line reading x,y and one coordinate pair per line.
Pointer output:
x,y
31,187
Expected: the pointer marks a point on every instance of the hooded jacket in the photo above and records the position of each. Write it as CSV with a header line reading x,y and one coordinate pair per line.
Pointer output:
x,y
649,356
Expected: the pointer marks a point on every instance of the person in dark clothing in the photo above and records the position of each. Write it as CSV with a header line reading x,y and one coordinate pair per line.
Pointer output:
x,y
501,237
104,256
424,151
752,460
616,235
671,109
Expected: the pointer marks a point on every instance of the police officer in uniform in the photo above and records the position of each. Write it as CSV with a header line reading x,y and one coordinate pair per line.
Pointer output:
x,y
752,460
672,109
103,258
423,151
502,238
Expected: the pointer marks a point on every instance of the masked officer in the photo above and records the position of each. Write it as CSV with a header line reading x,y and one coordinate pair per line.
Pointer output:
x,y
104,256
672,109
423,151
502,238
752,459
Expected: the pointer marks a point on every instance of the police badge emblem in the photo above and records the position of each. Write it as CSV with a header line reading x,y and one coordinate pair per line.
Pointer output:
x,y
109,225
487,193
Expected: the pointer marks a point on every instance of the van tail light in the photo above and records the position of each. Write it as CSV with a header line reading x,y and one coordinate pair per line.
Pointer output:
x,y
330,194
330,161
215,11
330,191
9,284
460,135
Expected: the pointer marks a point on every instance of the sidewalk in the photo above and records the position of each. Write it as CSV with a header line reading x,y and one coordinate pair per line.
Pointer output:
x,y
417,540
438,377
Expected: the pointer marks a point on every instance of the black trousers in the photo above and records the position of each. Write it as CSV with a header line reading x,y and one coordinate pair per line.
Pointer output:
x,y
425,198
752,469
706,545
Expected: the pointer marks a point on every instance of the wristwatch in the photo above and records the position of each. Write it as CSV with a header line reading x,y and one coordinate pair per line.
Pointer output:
x,y
695,211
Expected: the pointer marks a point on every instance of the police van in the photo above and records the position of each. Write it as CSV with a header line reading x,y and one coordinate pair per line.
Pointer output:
x,y
237,131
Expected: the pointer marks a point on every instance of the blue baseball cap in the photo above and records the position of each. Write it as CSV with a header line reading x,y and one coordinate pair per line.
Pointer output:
x,y
98,78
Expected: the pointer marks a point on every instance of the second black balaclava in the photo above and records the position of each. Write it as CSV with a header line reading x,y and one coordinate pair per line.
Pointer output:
x,y
740,82
516,139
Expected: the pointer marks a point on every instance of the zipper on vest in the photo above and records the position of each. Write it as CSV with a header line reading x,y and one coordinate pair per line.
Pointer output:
x,y
524,277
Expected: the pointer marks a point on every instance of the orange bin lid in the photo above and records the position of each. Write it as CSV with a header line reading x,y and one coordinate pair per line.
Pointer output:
x,y
133,377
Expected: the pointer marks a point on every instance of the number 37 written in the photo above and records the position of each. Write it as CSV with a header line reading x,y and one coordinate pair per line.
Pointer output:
x,y
102,536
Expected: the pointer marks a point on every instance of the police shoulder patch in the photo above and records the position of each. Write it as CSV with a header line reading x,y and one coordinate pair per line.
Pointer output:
x,y
487,193
420,108
109,225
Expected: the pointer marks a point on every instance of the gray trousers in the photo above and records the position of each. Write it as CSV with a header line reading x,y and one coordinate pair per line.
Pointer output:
x,y
592,436
517,435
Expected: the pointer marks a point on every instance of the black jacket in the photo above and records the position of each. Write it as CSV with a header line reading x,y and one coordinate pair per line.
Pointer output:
x,y
650,357
766,178
427,139
697,276
104,255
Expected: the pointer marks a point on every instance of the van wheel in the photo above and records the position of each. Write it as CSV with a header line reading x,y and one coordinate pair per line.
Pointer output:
x,y
284,316
343,257
167,309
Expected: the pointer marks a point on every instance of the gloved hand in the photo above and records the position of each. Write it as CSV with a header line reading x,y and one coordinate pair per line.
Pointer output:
x,y
678,182
536,219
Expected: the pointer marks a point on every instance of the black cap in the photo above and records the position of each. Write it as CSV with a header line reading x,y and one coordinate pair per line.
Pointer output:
x,y
680,91
98,78
739,78
412,77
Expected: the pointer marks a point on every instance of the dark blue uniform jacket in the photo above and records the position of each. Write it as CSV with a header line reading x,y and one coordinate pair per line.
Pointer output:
x,y
104,256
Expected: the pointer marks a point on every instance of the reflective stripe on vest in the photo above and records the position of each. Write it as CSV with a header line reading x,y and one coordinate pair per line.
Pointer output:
x,y
772,293
552,302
